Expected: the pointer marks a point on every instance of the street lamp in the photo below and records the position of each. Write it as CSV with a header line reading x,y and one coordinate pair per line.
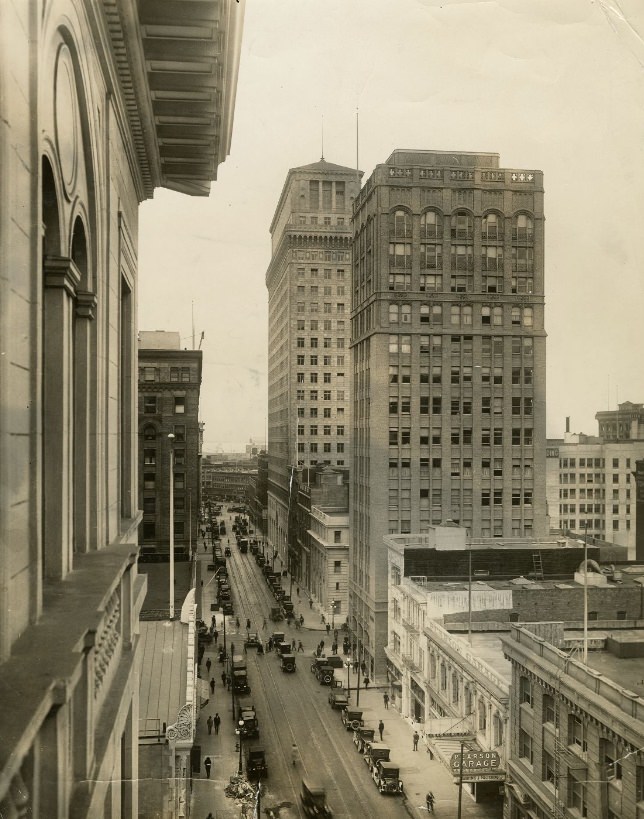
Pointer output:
x,y
348,665
239,733
170,442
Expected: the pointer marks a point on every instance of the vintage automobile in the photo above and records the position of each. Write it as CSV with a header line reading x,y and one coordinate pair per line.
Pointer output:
x,y
227,607
276,614
227,552
375,751
338,695
324,675
277,637
250,728
284,648
361,737
288,663
333,660
252,639
240,682
386,775
352,719
256,766
313,798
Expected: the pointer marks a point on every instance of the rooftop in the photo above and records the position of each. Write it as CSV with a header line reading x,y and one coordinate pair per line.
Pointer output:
x,y
163,686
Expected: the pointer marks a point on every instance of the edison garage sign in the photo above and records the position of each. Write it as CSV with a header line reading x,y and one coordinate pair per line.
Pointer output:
x,y
477,765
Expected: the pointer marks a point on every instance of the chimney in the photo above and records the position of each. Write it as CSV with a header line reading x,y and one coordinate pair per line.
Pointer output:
x,y
567,423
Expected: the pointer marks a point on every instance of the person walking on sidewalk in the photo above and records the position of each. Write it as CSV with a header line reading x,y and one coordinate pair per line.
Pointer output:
x,y
207,763
217,722
208,664
429,799
209,724
381,728
416,738
212,685
385,699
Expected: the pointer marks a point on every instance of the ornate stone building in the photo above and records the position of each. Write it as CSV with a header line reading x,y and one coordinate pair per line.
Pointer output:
x,y
101,101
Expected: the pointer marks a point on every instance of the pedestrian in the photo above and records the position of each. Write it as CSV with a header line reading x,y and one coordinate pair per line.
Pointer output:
x,y
416,738
429,799
205,548
213,621
300,647
247,624
385,698
207,763
264,623
363,666
334,648
217,723
310,604
298,591
328,627
210,816
208,664
335,635
301,619
365,682
381,728
321,645
215,634
270,643
237,622
223,678
212,685
209,724
393,697
355,666
322,618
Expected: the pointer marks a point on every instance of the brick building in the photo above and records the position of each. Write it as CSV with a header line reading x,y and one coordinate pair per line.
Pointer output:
x,y
309,369
576,730
169,389
448,345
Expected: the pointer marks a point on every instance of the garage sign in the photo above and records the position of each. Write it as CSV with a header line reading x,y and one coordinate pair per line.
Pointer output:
x,y
475,762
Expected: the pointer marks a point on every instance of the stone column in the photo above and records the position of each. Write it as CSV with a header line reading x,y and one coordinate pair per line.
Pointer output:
x,y
84,425
61,278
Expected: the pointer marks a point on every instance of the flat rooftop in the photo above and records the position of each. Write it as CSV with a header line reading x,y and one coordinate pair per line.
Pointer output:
x,y
163,686
515,583
627,672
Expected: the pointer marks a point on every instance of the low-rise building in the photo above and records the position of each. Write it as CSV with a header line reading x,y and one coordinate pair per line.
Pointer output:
x,y
576,729
226,480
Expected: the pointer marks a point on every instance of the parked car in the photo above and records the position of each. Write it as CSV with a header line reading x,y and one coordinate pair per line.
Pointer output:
x,y
386,775
333,660
277,637
240,682
250,728
313,798
338,696
256,766
324,674
288,662
361,737
352,719
227,552
375,751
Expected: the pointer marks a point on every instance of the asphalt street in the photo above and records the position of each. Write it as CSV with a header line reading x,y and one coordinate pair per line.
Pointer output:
x,y
294,708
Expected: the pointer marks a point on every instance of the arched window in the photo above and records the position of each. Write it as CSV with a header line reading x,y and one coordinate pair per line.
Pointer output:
x,y
492,227
497,729
482,715
149,433
468,700
462,225
455,688
522,228
400,224
432,666
431,225
443,677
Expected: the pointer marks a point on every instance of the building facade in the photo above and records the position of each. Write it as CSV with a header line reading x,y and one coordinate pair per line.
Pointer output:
x,y
90,94
576,730
309,369
589,479
169,389
448,345
226,480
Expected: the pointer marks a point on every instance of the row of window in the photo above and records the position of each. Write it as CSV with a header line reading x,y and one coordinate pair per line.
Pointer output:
x,y
153,374
326,395
489,467
458,375
326,429
314,307
490,345
150,480
460,226
458,283
564,463
321,255
520,436
590,477
582,525
313,377
314,220
150,457
489,405
591,493
150,530
327,273
314,447
314,290
490,315
313,411
590,508
179,430
151,404
327,325
461,257
321,193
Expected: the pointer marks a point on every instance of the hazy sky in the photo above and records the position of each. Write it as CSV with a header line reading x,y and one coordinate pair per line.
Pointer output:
x,y
555,85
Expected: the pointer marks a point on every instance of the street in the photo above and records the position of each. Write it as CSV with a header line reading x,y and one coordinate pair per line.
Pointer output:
x,y
294,708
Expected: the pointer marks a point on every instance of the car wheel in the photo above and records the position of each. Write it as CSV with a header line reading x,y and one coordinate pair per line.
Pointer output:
x,y
327,678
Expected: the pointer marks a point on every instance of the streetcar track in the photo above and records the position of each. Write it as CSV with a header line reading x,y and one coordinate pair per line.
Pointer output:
x,y
251,592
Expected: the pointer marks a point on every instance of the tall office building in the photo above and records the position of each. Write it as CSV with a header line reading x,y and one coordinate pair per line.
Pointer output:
x,y
169,389
309,371
448,348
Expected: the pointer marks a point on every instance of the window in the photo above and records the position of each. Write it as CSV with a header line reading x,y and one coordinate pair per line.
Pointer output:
x,y
431,257
548,772
462,257
577,796
462,226
179,404
525,746
577,733
431,225
399,254
337,564
179,433
149,434
149,506
150,404
149,531
149,480
525,690
337,537
394,311
300,360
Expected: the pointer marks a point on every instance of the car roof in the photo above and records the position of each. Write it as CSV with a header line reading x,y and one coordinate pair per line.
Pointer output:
x,y
390,766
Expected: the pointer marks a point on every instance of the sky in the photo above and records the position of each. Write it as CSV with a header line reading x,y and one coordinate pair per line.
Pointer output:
x,y
554,85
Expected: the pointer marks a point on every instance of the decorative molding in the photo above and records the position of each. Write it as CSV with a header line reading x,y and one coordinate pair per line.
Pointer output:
x,y
61,271
183,728
85,304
